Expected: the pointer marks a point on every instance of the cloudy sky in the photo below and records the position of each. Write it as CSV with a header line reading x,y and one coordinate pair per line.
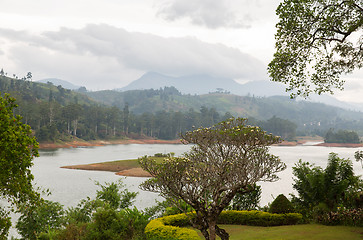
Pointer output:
x,y
105,44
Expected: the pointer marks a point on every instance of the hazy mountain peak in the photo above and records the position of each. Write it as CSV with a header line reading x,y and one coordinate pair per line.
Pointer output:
x,y
57,82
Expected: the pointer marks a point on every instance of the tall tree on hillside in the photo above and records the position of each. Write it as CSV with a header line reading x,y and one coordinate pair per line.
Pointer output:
x,y
226,159
316,42
126,114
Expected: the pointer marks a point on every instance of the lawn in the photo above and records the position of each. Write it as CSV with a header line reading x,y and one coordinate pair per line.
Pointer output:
x,y
294,232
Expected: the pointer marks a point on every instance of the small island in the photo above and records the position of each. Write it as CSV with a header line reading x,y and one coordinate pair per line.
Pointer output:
x,y
130,168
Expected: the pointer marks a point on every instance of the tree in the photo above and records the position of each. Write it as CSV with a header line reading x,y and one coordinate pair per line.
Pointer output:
x,y
226,159
316,42
332,186
17,149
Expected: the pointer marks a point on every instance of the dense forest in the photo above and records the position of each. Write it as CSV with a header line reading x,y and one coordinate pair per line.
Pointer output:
x,y
55,113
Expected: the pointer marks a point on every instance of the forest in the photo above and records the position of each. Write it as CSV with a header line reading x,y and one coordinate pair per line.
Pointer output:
x,y
58,114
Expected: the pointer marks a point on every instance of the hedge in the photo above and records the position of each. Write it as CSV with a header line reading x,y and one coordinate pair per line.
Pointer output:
x,y
169,227
161,228
258,218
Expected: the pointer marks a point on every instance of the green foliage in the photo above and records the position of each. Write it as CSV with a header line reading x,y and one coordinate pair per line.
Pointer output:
x,y
57,114
17,149
105,217
246,201
169,227
342,216
110,224
341,136
333,186
5,224
281,205
166,228
313,47
39,217
258,218
209,175
115,195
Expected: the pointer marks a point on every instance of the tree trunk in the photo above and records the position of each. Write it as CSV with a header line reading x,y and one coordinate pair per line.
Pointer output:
x,y
222,233
212,230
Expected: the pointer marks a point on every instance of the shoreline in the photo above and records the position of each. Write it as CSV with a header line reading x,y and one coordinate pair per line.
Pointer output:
x,y
98,143
132,170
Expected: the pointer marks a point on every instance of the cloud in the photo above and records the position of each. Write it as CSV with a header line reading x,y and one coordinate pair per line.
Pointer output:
x,y
210,13
116,57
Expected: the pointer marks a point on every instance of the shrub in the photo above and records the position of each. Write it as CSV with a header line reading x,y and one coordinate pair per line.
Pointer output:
x,y
281,205
258,218
161,228
108,223
348,217
39,217
165,227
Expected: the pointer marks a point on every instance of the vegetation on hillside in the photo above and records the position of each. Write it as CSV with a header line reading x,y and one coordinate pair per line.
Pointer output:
x,y
55,113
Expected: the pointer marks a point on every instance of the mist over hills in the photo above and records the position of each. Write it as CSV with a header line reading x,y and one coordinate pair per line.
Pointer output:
x,y
203,84
310,117
57,82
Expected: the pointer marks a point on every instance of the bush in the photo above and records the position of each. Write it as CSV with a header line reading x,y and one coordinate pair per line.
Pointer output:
x,y
162,228
39,217
347,217
281,205
169,227
258,218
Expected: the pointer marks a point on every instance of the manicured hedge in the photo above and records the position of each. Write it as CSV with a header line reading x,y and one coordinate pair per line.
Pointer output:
x,y
169,227
160,228
258,218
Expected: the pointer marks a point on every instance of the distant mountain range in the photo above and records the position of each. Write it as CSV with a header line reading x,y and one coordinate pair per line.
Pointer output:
x,y
57,82
204,84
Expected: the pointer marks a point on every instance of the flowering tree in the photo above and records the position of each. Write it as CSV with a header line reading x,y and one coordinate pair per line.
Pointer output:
x,y
226,159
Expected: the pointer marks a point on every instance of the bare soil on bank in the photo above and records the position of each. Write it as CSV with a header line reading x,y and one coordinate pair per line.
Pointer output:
x,y
81,143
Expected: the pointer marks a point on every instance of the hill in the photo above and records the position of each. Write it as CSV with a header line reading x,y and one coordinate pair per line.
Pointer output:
x,y
308,116
60,82
57,113
203,84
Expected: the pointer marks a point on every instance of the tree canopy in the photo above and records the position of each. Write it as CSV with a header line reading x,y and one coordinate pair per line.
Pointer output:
x,y
226,159
333,186
17,150
316,42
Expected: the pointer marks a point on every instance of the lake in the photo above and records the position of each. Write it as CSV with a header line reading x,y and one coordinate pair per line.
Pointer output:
x,y
69,186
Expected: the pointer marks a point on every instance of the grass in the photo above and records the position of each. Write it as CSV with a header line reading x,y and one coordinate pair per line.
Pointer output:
x,y
294,232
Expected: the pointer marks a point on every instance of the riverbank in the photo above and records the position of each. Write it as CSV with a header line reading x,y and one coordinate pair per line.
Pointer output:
x,y
95,143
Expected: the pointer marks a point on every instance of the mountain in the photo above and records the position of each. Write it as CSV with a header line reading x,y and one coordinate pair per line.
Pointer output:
x,y
57,82
203,84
